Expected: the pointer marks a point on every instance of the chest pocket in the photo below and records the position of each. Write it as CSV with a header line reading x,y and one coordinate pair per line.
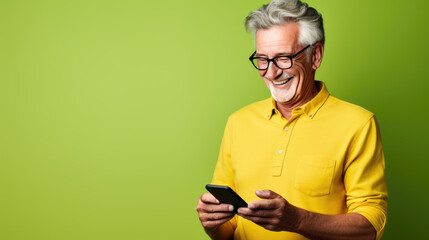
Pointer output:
x,y
314,175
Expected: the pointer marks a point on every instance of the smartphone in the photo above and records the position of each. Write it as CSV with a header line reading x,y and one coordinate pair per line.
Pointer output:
x,y
226,195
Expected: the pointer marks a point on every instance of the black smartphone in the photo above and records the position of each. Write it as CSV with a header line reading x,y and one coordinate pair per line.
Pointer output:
x,y
226,195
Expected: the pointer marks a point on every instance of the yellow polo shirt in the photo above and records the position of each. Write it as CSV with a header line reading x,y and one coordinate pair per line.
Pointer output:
x,y
327,158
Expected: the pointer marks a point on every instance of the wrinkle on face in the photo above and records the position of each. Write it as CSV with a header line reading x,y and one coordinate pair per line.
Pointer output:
x,y
284,40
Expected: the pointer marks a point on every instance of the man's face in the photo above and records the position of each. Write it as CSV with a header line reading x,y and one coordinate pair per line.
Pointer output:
x,y
286,85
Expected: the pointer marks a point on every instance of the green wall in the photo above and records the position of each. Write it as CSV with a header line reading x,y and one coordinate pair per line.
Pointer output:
x,y
112,112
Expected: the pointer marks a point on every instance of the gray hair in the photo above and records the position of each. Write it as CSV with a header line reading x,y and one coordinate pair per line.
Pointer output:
x,y
278,12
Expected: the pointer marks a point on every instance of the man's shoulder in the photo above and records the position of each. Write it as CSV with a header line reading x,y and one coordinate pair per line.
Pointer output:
x,y
347,110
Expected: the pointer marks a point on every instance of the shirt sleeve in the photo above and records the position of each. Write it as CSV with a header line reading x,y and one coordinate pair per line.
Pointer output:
x,y
364,177
224,174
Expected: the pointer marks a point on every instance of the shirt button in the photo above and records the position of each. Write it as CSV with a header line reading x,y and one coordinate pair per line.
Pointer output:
x,y
286,128
310,115
280,151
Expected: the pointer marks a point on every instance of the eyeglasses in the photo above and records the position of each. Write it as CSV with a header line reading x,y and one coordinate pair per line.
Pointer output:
x,y
282,62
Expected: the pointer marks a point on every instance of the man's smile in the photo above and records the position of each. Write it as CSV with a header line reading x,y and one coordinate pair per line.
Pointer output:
x,y
282,82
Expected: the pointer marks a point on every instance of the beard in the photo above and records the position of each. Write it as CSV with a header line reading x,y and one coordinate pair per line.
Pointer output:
x,y
284,92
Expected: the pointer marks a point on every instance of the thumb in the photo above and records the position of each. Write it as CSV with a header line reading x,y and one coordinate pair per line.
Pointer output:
x,y
266,194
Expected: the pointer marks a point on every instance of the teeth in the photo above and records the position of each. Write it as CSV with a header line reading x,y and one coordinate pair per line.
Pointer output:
x,y
282,82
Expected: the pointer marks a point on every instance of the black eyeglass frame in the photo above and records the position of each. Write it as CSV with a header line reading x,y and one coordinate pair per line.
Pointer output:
x,y
291,57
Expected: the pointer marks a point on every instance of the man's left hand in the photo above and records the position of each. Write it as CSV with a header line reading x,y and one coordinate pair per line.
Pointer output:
x,y
273,213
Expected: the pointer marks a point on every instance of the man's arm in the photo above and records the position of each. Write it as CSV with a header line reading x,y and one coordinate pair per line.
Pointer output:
x,y
344,226
276,214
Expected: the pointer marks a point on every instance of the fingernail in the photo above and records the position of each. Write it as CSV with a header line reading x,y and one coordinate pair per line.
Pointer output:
x,y
258,192
250,205
240,211
231,208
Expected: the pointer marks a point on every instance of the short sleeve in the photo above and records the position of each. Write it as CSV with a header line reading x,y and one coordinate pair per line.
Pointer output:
x,y
364,177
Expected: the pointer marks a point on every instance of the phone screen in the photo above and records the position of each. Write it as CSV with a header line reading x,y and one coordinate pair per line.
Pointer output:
x,y
226,195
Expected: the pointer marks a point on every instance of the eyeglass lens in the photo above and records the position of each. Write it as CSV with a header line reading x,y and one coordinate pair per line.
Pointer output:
x,y
280,62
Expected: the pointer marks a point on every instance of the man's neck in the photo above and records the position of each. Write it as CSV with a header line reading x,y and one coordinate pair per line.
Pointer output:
x,y
286,108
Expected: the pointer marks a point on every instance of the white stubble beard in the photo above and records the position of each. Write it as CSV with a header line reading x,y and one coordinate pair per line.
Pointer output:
x,y
283,93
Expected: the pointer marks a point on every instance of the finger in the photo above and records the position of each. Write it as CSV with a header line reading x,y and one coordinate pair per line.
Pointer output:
x,y
259,220
266,194
213,207
257,213
215,223
209,198
214,216
264,204
267,223
223,207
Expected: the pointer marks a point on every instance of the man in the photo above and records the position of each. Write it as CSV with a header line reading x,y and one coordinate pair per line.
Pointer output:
x,y
310,165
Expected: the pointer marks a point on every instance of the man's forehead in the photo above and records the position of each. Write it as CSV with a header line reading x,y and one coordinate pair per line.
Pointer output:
x,y
278,38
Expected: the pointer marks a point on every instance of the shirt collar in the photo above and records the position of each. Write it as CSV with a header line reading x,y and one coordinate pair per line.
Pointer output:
x,y
310,108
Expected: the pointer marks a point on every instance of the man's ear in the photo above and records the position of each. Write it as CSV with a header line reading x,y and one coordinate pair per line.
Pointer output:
x,y
317,55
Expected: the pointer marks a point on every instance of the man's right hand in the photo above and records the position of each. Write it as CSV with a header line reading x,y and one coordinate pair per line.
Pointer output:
x,y
212,213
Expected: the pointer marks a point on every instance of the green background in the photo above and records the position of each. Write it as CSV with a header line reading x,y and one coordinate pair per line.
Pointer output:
x,y
112,112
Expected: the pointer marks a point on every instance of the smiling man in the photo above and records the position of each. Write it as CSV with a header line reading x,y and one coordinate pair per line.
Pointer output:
x,y
290,87
310,166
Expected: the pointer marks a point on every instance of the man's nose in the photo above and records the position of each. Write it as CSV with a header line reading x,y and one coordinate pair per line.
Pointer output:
x,y
273,71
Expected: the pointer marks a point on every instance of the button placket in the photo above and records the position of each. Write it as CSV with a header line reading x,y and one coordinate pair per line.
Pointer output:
x,y
282,149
